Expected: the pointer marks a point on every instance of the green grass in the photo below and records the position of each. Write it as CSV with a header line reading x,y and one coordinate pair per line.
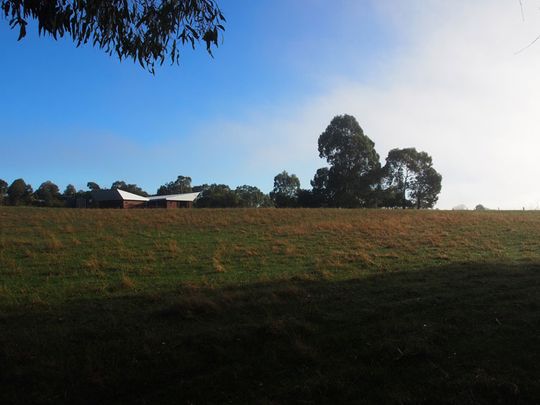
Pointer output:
x,y
269,306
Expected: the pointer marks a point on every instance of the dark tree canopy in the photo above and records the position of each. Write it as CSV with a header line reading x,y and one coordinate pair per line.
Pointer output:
x,y
147,31
252,197
130,188
410,179
308,199
49,195
181,185
222,196
19,193
216,196
354,163
92,186
70,191
321,193
345,146
3,191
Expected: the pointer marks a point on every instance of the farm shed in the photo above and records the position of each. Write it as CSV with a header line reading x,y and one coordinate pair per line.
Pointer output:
x,y
116,198
172,201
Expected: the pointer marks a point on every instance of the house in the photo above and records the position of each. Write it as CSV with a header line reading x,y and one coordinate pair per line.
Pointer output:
x,y
116,198
172,200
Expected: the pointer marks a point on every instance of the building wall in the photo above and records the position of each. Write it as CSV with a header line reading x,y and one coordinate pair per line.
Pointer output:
x,y
157,204
121,204
169,204
134,204
143,204
110,204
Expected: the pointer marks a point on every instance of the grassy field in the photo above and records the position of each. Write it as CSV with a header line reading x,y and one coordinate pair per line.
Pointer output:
x,y
269,306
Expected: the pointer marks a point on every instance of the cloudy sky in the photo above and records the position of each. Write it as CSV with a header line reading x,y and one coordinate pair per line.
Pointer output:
x,y
444,77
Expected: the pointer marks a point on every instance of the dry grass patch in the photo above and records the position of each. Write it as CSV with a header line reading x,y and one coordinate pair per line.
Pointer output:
x,y
126,282
173,248
217,265
94,266
53,243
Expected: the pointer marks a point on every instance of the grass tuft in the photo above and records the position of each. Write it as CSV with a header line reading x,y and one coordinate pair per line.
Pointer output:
x,y
126,282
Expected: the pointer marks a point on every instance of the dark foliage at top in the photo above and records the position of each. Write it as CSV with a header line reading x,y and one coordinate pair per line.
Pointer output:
x,y
130,188
147,31
222,196
181,185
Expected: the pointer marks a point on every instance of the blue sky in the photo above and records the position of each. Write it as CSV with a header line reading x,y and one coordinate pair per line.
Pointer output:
x,y
73,115
437,75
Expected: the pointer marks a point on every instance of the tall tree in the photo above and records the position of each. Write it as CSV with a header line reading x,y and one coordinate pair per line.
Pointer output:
x,y
354,163
3,191
285,191
19,193
147,31
411,179
48,194
181,185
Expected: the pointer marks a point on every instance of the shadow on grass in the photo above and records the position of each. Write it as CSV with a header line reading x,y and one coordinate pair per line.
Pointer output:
x,y
468,334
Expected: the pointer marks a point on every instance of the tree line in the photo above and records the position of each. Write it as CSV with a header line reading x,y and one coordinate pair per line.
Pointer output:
x,y
354,178
48,194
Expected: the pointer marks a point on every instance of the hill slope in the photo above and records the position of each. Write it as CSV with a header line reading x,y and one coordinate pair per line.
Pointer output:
x,y
269,306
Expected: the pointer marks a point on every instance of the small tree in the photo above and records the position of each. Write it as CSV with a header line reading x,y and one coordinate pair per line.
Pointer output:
x,y
3,191
285,192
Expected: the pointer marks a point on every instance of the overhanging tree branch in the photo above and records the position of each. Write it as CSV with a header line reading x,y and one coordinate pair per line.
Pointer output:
x,y
147,31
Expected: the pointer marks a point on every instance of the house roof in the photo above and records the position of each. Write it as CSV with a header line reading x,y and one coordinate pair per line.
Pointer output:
x,y
190,197
116,195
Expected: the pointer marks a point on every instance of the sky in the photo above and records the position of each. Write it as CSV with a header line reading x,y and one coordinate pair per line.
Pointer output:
x,y
445,77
